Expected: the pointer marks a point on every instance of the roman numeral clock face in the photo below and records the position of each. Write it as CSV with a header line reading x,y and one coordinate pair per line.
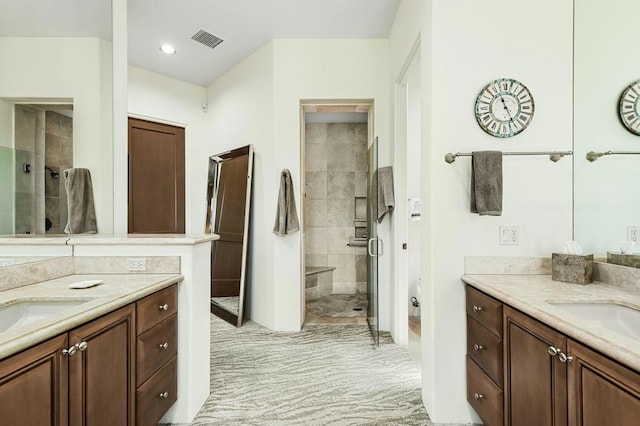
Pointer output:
x,y
504,108
629,107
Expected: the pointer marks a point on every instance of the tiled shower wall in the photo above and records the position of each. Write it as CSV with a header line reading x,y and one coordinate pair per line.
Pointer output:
x,y
335,174
41,138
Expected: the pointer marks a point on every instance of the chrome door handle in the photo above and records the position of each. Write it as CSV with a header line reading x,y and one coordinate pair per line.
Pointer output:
x,y
164,395
564,357
477,347
82,346
381,246
72,350
553,351
369,247
477,308
163,307
164,345
478,396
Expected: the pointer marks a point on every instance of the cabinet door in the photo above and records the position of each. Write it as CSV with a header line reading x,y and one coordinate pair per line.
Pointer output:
x,y
33,385
101,372
535,381
601,392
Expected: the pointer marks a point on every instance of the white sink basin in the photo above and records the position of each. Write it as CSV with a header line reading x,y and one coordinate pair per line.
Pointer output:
x,y
617,318
27,311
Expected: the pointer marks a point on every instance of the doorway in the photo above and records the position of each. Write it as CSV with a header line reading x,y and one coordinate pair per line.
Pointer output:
x,y
335,139
156,178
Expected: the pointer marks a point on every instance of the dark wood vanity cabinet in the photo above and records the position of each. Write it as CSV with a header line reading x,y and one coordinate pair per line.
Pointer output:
x,y
112,371
547,378
535,381
601,391
33,385
157,351
484,356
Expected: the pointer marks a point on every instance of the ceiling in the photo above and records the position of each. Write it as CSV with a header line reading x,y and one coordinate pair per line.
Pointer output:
x,y
244,25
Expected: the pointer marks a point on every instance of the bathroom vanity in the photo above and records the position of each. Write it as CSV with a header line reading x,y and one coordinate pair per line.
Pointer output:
x,y
102,355
543,352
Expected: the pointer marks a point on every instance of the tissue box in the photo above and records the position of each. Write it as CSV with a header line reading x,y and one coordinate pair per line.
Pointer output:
x,y
572,268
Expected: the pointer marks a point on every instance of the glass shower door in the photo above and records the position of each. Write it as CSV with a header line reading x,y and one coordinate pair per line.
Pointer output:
x,y
373,243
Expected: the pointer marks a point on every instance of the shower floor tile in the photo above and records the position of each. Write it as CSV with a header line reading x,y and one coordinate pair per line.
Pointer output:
x,y
337,309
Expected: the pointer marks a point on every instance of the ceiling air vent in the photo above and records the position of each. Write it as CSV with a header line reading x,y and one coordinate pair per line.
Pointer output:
x,y
207,39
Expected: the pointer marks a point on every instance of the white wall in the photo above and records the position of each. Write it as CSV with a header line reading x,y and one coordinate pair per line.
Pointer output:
x,y
77,68
6,124
241,113
605,191
461,51
155,97
258,102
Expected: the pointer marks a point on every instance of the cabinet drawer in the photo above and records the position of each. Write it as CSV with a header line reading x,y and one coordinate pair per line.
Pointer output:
x,y
485,348
484,309
155,347
156,307
483,395
157,394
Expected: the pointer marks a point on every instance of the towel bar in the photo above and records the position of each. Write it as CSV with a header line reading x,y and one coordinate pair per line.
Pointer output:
x,y
593,156
554,156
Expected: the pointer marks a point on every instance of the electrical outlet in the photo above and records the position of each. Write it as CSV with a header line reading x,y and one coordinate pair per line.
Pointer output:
x,y
509,235
138,264
633,233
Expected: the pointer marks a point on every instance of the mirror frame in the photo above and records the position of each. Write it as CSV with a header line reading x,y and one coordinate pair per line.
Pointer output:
x,y
215,200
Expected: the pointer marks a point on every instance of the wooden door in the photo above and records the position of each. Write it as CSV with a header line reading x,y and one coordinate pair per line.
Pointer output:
x,y
33,385
156,178
102,373
535,381
601,392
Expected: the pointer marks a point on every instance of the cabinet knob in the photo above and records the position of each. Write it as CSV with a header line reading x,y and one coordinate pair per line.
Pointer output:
x,y
164,395
553,351
82,346
478,347
163,307
69,352
478,396
564,357
477,308
164,345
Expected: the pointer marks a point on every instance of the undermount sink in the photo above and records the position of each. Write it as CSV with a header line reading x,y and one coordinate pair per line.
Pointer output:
x,y
618,318
27,311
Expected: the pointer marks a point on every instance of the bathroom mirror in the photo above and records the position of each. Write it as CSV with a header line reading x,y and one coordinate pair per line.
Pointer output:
x,y
55,106
606,197
228,211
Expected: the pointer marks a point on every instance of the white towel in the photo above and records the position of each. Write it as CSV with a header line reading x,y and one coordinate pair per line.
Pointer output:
x,y
81,211
386,199
286,214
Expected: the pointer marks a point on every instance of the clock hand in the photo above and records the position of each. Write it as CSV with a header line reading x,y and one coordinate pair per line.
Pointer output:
x,y
506,109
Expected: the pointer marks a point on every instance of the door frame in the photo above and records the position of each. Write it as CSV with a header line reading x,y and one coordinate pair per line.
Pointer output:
x,y
324,105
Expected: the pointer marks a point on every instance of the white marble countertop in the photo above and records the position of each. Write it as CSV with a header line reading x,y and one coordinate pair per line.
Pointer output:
x,y
115,292
532,295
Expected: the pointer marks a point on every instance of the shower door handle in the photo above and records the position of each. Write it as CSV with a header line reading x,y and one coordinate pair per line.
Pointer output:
x,y
379,247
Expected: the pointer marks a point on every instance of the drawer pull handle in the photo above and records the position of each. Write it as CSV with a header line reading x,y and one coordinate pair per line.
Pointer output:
x,y
163,307
164,395
478,396
553,351
164,345
477,308
478,347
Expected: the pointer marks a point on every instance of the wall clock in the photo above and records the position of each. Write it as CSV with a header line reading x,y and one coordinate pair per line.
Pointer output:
x,y
629,107
504,108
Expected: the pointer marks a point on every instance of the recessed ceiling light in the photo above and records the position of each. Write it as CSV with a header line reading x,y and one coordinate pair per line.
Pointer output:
x,y
168,49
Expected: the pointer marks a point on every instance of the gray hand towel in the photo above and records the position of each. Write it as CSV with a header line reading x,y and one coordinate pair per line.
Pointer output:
x,y
486,183
81,211
386,199
286,214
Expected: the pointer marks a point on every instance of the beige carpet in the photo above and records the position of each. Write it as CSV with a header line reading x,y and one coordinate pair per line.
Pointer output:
x,y
322,375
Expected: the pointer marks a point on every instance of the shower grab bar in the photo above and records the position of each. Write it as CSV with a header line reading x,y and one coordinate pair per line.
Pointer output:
x,y
554,156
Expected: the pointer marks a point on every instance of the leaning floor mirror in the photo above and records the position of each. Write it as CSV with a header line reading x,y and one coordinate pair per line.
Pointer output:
x,y
228,208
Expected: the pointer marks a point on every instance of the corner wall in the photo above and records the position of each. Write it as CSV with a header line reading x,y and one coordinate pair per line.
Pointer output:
x,y
461,52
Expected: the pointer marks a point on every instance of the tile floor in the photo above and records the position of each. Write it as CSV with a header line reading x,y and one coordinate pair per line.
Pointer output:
x,y
337,309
